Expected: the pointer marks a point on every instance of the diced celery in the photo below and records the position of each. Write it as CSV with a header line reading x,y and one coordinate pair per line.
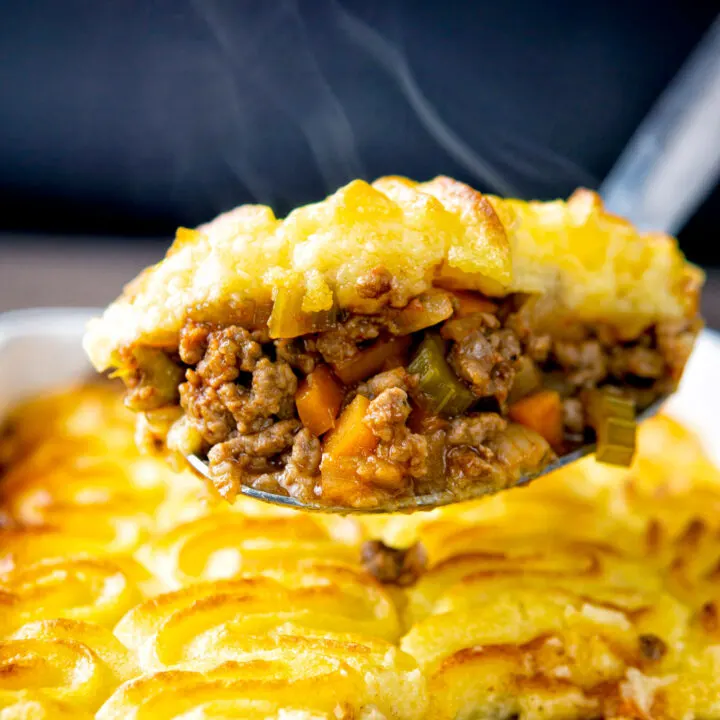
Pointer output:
x,y
155,380
613,417
527,379
444,392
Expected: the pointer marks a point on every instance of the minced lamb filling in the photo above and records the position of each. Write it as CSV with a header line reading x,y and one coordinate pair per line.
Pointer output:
x,y
343,417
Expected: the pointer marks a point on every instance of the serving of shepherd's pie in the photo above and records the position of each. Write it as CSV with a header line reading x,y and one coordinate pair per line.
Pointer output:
x,y
400,339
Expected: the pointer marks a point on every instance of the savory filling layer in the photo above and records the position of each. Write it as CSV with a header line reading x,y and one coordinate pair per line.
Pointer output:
x,y
450,392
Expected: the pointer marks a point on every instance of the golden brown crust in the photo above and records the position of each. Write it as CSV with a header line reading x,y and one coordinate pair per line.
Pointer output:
x,y
595,266
591,594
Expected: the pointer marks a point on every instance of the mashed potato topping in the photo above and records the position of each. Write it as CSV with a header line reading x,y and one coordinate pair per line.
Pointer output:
x,y
595,266
131,592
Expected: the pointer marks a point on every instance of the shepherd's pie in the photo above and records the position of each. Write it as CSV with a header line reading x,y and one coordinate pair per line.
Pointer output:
x,y
400,338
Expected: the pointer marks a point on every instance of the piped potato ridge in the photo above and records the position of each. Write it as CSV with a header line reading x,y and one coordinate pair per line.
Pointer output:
x,y
593,594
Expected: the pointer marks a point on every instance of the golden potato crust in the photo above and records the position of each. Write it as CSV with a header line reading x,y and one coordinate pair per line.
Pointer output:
x,y
593,265
129,592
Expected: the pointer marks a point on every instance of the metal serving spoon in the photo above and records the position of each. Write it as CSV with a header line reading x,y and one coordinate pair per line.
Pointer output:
x,y
417,502
667,169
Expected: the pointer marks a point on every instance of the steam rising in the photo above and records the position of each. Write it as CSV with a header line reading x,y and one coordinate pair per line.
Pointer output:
x,y
297,86
269,49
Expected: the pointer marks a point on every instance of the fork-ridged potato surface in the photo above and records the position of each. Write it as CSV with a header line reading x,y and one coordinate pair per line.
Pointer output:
x,y
129,592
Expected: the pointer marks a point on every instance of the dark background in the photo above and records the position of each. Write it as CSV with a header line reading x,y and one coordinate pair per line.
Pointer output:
x,y
130,117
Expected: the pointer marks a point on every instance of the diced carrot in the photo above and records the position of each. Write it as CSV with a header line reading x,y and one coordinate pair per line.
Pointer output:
x,y
421,312
318,400
341,484
383,355
351,436
541,412
469,303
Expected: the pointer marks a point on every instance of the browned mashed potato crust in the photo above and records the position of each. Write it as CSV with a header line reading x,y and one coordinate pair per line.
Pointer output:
x,y
129,591
359,364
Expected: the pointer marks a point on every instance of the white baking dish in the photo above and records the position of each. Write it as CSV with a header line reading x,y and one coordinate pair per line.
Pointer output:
x,y
40,350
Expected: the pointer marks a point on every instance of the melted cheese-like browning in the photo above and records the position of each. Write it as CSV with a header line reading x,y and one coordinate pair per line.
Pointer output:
x,y
127,591
590,264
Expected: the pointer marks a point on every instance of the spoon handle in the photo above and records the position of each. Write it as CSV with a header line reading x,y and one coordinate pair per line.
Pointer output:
x,y
673,160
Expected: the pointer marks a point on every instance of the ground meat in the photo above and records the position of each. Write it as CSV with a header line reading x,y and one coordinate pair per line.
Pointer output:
x,y
251,459
393,566
228,352
536,345
272,393
396,378
342,341
240,395
261,335
389,410
193,342
466,465
573,415
584,361
246,428
675,339
483,354
265,444
375,284
638,361
295,354
652,647
474,429
302,468
386,417
205,409
467,458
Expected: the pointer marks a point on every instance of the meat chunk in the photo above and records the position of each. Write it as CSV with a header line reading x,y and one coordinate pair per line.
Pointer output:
x,y
638,361
468,459
675,339
573,415
584,361
536,345
386,417
375,284
484,356
205,409
296,355
393,566
229,351
388,411
250,459
474,429
267,443
342,341
396,378
467,466
193,342
272,393
303,467
247,427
